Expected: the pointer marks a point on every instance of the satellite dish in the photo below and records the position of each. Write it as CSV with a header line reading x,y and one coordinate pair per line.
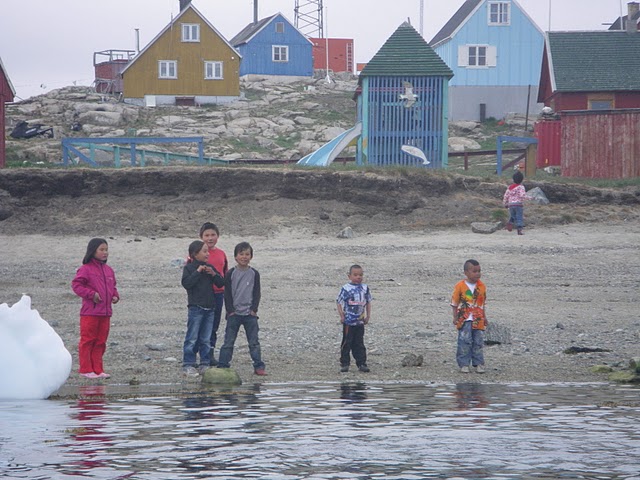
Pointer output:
x,y
415,152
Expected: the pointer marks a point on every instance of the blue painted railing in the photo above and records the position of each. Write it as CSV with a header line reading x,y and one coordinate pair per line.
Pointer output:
x,y
71,148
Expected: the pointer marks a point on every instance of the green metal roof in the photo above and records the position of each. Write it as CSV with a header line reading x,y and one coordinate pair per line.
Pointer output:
x,y
594,61
406,53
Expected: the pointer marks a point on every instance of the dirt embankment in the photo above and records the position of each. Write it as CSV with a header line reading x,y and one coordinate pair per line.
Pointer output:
x,y
168,201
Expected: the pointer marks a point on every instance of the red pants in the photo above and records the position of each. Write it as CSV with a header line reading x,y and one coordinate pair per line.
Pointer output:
x,y
94,331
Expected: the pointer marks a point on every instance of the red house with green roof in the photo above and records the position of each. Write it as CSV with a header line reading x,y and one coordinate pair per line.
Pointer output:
x,y
592,80
7,92
402,104
597,70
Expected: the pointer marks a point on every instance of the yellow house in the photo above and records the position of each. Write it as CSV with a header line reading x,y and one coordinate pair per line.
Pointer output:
x,y
188,63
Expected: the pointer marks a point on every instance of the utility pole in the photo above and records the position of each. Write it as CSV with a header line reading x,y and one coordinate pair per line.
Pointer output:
x,y
422,18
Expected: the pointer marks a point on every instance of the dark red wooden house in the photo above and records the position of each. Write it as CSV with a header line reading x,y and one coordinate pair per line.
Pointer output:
x,y
584,74
108,66
7,92
340,54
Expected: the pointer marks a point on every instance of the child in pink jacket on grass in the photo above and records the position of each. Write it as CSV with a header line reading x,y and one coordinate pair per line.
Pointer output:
x,y
514,199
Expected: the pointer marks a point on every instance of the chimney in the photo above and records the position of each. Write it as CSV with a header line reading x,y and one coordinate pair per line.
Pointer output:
x,y
184,4
255,11
632,21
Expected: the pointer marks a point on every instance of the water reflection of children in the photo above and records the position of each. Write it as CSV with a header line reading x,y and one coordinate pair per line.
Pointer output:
x,y
353,392
89,435
470,395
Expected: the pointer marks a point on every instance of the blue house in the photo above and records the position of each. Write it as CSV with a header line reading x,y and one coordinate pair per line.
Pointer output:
x,y
495,51
402,104
273,46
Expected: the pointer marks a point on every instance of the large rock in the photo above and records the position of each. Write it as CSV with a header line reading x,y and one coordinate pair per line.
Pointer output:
x,y
624,376
497,334
412,360
485,227
537,196
465,126
221,376
110,119
460,144
346,232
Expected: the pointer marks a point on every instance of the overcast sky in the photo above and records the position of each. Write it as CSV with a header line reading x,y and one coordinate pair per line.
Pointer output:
x,y
48,44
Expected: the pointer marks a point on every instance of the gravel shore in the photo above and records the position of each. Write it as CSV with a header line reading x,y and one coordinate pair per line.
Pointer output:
x,y
551,289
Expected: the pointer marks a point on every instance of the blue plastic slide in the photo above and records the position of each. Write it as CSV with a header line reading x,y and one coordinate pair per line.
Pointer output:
x,y
329,151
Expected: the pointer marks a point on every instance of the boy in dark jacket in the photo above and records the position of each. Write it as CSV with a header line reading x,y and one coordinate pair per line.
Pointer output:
x,y
198,278
241,301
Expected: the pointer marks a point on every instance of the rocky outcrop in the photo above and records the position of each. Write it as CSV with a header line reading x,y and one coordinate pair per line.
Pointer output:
x,y
273,120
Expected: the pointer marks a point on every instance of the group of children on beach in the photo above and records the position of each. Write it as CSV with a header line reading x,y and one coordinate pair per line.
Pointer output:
x,y
210,284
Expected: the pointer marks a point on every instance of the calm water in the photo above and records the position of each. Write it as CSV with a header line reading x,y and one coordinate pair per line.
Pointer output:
x,y
330,431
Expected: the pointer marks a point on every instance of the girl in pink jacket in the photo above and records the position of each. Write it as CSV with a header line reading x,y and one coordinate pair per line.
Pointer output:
x,y
95,283
513,199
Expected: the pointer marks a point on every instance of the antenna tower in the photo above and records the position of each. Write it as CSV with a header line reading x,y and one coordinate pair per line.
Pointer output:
x,y
422,18
309,17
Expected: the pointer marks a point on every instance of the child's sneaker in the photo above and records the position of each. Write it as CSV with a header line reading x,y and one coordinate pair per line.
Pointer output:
x,y
480,369
90,375
260,371
344,368
464,369
202,368
520,232
103,375
364,368
190,372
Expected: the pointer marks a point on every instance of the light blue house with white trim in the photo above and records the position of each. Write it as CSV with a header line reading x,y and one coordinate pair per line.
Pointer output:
x,y
495,51
273,46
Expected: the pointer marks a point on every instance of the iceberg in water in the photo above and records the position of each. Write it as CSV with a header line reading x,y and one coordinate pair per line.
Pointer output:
x,y
34,362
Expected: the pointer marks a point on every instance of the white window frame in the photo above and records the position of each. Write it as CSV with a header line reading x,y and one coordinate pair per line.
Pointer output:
x,y
277,53
190,32
499,13
217,70
165,67
279,27
477,56
467,52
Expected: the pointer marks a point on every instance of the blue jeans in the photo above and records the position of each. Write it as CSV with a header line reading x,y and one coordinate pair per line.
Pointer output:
x,y
199,325
216,323
470,343
250,324
516,216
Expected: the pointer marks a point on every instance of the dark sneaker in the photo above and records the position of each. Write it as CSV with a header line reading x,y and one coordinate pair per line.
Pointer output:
x,y
260,371
344,368
364,368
